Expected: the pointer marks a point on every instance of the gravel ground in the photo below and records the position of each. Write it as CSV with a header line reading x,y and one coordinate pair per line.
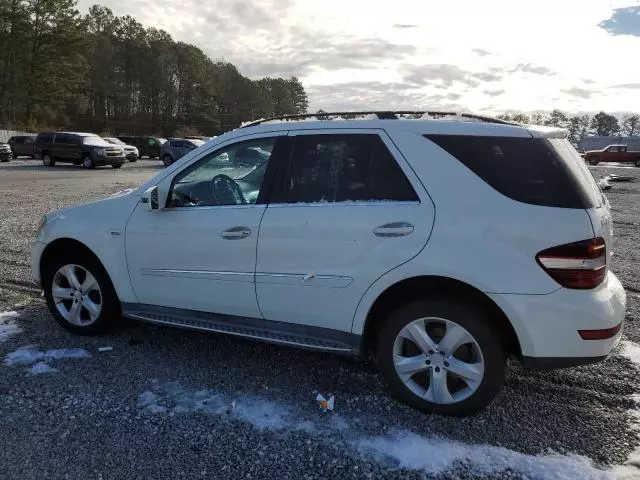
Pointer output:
x,y
167,403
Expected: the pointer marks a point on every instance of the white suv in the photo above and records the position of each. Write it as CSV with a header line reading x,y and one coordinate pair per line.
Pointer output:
x,y
441,246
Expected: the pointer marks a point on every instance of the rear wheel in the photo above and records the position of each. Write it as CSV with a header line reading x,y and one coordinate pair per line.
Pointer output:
x,y
638,162
48,160
116,165
132,160
80,295
88,162
594,161
441,357
167,160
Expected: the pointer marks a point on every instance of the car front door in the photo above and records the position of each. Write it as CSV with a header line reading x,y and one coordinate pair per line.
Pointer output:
x,y
199,252
348,210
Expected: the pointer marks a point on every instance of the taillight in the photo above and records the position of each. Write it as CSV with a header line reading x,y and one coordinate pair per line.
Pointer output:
x,y
580,265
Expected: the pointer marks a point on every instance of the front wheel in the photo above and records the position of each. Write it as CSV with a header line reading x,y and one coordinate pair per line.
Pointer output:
x,y
441,357
80,294
88,162
638,162
117,165
167,160
594,161
48,160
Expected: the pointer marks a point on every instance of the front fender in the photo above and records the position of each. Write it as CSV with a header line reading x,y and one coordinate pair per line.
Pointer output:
x,y
100,226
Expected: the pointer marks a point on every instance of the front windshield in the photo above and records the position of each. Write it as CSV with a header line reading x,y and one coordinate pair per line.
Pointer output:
x,y
115,141
93,140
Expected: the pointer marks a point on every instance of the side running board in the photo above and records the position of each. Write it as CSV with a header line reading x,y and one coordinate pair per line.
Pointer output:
x,y
280,333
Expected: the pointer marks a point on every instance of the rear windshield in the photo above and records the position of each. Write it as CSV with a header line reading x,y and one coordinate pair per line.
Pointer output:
x,y
537,171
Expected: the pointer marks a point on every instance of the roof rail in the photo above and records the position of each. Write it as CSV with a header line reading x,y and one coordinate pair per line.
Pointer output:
x,y
380,115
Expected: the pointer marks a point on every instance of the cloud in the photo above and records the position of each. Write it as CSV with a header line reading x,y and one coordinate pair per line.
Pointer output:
x,y
494,93
481,52
404,25
623,21
531,68
444,75
578,92
630,86
377,96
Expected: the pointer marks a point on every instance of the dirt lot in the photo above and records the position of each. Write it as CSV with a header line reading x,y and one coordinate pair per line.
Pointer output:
x,y
166,403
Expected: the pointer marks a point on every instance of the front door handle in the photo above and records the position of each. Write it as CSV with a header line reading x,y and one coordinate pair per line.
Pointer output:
x,y
236,233
394,229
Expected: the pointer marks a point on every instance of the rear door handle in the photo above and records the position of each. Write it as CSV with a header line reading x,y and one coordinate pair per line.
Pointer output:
x,y
236,233
394,229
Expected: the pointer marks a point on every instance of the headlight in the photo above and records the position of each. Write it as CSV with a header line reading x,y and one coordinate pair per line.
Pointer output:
x,y
41,224
99,151
135,150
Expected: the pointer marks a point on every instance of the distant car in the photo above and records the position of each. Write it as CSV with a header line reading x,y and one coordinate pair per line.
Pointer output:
x,y
5,152
612,153
130,152
85,149
147,146
22,145
175,148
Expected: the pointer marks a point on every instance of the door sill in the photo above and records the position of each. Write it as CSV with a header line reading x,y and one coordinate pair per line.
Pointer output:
x,y
279,333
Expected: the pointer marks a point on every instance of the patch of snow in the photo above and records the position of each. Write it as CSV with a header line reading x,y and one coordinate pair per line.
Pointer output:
x,y
631,468
41,367
263,414
631,351
436,455
30,354
8,327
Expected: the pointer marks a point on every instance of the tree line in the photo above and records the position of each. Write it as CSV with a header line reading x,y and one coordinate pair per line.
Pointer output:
x,y
104,73
580,126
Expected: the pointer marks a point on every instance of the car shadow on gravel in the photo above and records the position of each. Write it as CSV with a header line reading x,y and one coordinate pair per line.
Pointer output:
x,y
582,410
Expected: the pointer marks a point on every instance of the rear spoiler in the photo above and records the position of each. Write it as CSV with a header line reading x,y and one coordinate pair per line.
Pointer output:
x,y
538,131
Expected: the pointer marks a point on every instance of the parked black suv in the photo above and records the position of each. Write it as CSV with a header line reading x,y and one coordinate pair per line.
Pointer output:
x,y
22,145
87,149
147,146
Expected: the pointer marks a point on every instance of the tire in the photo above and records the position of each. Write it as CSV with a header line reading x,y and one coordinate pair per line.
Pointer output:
x,y
48,160
104,296
638,163
167,160
133,160
87,162
594,161
117,165
459,397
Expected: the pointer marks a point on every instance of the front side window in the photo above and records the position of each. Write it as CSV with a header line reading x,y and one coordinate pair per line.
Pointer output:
x,y
339,168
232,175
152,142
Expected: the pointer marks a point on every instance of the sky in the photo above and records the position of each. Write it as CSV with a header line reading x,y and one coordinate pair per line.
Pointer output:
x,y
485,56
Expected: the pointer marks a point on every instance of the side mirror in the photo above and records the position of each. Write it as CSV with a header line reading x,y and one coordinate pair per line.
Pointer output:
x,y
151,199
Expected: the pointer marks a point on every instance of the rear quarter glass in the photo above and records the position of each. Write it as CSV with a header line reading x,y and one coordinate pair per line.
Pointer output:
x,y
528,170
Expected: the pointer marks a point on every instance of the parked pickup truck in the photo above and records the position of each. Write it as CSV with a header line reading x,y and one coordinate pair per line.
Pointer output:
x,y
612,153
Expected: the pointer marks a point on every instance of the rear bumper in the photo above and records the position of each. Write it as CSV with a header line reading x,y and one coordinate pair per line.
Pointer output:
x,y
547,325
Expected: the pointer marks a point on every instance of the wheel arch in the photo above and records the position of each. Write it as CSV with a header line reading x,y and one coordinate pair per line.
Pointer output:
x,y
69,246
418,287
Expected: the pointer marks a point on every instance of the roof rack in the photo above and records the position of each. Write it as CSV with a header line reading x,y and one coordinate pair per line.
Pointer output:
x,y
380,115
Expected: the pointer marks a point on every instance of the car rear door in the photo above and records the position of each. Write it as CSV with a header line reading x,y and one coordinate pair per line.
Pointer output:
x,y
347,210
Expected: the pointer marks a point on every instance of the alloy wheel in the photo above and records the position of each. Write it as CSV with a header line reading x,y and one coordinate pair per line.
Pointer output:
x,y
77,295
438,360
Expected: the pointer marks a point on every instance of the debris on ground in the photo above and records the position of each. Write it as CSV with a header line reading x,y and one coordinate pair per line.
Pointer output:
x,y
620,178
104,349
326,405
604,184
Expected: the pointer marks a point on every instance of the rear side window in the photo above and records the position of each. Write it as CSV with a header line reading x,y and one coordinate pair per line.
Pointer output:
x,y
339,168
529,170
